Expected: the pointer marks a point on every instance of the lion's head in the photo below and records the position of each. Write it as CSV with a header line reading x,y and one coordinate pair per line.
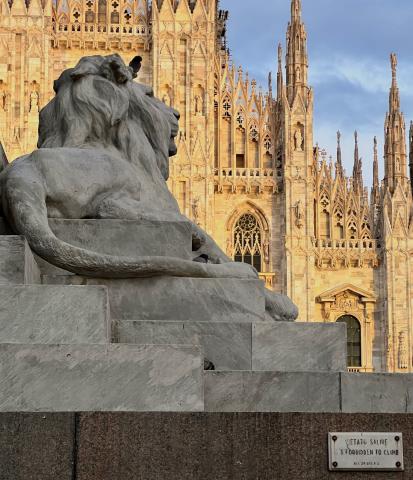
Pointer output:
x,y
98,104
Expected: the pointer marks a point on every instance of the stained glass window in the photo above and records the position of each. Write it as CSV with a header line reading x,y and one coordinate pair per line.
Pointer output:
x,y
247,241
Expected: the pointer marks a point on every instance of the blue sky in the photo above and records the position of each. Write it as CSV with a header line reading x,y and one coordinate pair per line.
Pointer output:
x,y
349,43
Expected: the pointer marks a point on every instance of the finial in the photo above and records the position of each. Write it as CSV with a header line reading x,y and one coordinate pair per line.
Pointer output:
x,y
338,137
393,61
280,54
375,143
356,136
270,83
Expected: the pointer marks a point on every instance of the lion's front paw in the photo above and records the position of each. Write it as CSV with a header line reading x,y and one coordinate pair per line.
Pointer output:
x,y
280,307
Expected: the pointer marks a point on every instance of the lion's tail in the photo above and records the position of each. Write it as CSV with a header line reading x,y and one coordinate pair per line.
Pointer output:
x,y
29,216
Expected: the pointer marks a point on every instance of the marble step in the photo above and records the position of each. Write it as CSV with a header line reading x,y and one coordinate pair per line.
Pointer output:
x,y
319,392
226,345
178,298
123,238
265,346
299,347
17,264
69,378
272,392
54,314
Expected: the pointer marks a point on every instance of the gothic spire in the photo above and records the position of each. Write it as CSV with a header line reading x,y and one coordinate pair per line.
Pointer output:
x,y
357,168
411,154
270,85
339,160
395,136
376,185
296,58
280,79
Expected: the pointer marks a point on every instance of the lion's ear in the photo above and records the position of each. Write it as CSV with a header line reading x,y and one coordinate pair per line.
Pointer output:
x,y
135,65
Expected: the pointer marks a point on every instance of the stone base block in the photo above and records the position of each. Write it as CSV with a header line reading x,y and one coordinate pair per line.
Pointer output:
x,y
226,345
185,446
286,346
56,378
173,298
123,238
272,392
377,393
17,264
54,314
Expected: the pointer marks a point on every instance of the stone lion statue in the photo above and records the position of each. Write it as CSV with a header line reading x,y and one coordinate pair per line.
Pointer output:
x,y
103,153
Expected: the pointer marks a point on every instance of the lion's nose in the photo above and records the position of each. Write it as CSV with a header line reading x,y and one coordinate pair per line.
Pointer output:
x,y
176,114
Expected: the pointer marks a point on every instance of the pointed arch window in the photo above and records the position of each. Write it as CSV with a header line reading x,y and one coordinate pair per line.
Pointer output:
x,y
254,135
102,5
227,107
247,241
353,340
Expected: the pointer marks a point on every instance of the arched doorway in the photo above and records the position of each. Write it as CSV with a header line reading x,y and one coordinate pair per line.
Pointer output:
x,y
247,241
353,340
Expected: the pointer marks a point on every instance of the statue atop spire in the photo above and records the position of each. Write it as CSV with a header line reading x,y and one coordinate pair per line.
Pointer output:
x,y
393,61
296,10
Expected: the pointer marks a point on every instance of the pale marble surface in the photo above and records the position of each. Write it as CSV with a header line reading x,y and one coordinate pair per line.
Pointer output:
x,y
377,393
54,314
51,378
272,392
178,298
17,265
226,345
125,238
286,346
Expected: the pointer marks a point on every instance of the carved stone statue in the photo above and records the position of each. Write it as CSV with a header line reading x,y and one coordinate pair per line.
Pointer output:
x,y
298,138
199,105
104,148
34,101
299,214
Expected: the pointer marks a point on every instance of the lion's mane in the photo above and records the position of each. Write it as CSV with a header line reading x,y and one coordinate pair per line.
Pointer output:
x,y
99,96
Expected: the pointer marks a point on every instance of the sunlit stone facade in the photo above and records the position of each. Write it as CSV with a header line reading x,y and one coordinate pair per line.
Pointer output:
x,y
247,168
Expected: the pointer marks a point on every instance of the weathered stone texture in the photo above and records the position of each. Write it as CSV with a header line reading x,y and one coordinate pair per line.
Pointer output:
x,y
17,264
177,298
54,314
272,392
123,238
298,347
226,345
58,378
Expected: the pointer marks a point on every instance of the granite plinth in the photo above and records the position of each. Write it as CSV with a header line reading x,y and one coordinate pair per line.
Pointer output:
x,y
377,393
17,264
124,238
57,378
54,314
37,446
226,345
185,446
178,298
272,392
286,346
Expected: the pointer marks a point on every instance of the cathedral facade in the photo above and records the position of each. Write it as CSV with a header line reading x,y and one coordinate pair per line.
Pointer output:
x,y
247,169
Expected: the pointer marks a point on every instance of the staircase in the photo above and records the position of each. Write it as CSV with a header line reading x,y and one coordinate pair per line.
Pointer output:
x,y
73,343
